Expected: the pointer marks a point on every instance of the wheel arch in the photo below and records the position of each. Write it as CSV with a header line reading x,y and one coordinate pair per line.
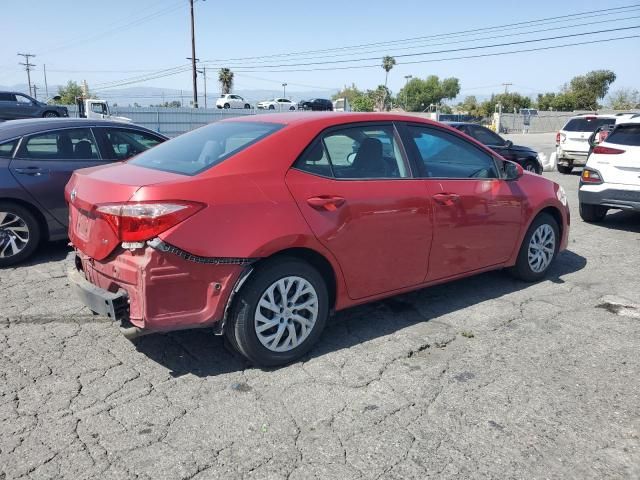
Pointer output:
x,y
42,221
552,210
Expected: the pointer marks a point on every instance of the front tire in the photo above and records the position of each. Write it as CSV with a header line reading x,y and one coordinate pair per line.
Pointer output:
x,y
538,250
592,213
271,107
247,106
50,114
565,169
19,234
531,166
279,314
227,106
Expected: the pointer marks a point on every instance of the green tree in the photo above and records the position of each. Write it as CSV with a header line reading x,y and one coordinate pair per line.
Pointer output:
x,y
624,99
225,77
68,93
420,94
381,97
509,102
470,106
546,101
350,93
589,88
363,103
388,63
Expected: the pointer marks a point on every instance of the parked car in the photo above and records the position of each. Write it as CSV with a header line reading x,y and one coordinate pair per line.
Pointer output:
x,y
525,156
611,177
316,104
15,105
232,101
572,141
280,104
37,158
261,228
341,105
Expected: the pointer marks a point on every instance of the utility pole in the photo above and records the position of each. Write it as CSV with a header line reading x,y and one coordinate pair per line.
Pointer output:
x,y
506,87
27,67
406,83
193,59
35,91
195,102
46,87
284,90
204,74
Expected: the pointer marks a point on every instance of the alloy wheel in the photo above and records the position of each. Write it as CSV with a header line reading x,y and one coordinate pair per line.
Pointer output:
x,y
14,234
542,248
286,314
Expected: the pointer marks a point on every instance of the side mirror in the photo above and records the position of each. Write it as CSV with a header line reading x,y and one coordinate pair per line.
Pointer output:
x,y
512,171
508,144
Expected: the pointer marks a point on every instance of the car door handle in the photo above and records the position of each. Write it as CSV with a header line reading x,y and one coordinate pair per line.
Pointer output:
x,y
446,199
329,203
33,171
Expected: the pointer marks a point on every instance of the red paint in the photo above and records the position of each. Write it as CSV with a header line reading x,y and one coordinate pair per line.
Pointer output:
x,y
381,237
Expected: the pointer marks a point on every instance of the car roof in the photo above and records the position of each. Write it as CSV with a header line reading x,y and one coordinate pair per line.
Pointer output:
x,y
329,118
17,128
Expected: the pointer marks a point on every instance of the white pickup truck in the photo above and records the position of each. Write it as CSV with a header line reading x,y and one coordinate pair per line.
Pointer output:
x,y
97,109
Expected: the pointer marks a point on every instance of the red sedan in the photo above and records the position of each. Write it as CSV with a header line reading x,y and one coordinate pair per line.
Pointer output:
x,y
261,226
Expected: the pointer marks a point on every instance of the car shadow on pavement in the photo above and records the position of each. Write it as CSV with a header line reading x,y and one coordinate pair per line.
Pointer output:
x,y
200,353
621,220
48,252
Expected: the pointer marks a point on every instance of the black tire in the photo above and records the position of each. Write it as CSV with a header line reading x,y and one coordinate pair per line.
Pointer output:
x,y
592,213
227,106
247,106
241,330
565,169
50,114
292,108
531,166
522,269
34,233
271,107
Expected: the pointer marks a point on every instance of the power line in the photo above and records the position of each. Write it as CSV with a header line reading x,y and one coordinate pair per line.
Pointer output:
x,y
554,19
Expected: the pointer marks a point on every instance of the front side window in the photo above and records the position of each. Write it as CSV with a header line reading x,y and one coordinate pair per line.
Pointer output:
x,y
205,147
70,144
100,108
355,153
22,100
6,149
123,144
444,155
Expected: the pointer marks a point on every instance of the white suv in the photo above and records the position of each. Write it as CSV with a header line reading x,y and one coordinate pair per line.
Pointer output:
x,y
611,177
232,101
572,141
280,104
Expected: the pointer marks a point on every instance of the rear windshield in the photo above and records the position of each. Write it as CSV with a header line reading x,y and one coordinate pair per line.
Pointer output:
x,y
587,124
205,147
625,135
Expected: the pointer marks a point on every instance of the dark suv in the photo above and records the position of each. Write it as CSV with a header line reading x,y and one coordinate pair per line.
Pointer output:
x,y
525,156
37,158
15,105
316,104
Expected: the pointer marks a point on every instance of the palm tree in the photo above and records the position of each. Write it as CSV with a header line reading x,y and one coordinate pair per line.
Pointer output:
x,y
387,64
225,77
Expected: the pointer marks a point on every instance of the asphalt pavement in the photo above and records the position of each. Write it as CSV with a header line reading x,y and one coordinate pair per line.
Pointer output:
x,y
485,377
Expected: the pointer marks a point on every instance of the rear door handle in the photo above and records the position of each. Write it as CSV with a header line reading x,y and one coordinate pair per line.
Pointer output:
x,y
33,171
446,199
329,203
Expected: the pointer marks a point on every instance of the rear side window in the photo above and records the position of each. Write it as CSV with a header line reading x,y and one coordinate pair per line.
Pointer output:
x,y
587,124
205,147
69,144
625,135
6,149
7,97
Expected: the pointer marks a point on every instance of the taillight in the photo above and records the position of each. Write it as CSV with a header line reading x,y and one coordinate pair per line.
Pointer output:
x,y
607,150
137,222
591,176
557,138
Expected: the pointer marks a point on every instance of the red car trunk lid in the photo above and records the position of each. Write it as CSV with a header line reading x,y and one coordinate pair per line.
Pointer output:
x,y
91,187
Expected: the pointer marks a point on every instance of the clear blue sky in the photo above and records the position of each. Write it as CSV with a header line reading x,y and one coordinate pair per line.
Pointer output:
x,y
105,41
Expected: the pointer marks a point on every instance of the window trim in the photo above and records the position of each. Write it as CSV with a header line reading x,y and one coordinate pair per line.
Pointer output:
x,y
417,158
344,126
26,137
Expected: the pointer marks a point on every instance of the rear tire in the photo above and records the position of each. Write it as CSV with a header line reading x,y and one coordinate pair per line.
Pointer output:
x,y
50,115
271,107
538,250
20,234
247,106
280,312
592,213
565,169
227,106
